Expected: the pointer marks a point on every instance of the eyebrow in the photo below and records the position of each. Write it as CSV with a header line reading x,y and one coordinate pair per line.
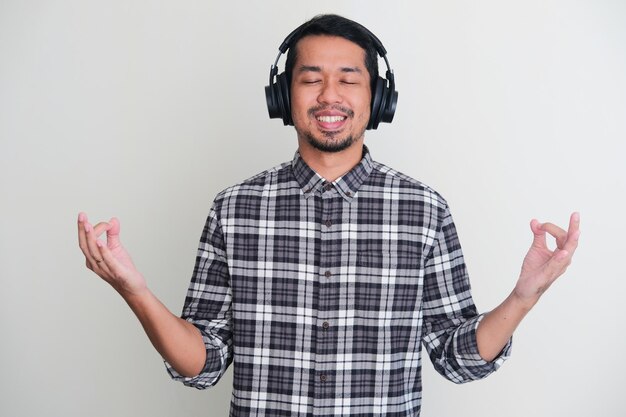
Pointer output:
x,y
315,68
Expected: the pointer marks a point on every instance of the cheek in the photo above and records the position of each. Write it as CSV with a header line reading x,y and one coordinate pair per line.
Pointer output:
x,y
367,106
366,100
298,103
299,110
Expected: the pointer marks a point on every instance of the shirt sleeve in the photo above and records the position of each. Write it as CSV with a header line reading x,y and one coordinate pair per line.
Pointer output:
x,y
450,316
208,306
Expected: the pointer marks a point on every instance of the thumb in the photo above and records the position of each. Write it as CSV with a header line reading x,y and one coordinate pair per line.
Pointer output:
x,y
113,233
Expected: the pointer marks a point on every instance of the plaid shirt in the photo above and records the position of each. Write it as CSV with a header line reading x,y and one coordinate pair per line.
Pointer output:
x,y
323,293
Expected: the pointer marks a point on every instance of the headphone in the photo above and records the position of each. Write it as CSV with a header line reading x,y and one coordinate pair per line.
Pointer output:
x,y
384,94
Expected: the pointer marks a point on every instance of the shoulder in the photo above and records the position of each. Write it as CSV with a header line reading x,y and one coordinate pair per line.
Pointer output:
x,y
408,188
256,185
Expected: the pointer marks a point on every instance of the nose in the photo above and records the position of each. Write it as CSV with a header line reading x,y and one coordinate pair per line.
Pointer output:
x,y
329,94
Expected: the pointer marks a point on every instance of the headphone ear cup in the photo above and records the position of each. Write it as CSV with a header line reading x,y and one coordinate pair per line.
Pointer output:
x,y
378,99
272,103
282,92
390,106
277,98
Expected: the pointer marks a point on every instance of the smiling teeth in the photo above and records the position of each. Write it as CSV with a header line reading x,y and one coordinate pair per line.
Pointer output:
x,y
330,119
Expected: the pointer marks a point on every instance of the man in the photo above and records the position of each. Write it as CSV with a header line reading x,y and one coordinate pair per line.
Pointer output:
x,y
322,277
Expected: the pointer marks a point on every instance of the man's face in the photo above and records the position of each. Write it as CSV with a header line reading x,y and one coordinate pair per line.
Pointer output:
x,y
330,93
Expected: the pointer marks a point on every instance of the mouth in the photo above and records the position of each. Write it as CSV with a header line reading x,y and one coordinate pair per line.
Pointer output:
x,y
330,122
333,119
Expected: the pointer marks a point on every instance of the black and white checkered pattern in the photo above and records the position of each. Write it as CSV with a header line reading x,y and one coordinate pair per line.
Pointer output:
x,y
323,293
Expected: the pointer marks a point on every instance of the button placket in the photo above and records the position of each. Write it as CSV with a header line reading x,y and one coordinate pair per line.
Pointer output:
x,y
326,306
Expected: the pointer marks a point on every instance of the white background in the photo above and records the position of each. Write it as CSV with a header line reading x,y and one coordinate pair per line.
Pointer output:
x,y
146,109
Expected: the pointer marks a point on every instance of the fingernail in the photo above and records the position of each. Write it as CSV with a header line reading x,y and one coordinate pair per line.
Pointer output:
x,y
81,216
87,227
100,243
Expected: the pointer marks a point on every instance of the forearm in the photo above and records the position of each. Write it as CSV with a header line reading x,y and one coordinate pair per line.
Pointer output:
x,y
541,267
178,341
497,327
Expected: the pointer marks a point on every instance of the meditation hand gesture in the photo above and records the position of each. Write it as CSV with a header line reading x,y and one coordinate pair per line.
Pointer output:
x,y
109,260
542,266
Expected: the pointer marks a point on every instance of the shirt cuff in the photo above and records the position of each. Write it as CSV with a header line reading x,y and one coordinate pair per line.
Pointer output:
x,y
210,373
467,349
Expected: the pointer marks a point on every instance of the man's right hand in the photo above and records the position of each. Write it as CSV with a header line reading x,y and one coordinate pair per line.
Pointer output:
x,y
178,341
109,259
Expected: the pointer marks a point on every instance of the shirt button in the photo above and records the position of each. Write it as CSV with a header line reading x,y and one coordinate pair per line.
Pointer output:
x,y
348,193
328,223
328,186
323,377
327,274
325,325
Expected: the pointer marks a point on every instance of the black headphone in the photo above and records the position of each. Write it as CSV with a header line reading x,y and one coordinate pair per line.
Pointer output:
x,y
384,95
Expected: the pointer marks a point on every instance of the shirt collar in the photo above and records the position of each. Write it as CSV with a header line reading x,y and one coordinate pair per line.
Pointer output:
x,y
347,185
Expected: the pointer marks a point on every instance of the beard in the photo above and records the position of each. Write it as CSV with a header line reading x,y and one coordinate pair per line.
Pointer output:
x,y
331,142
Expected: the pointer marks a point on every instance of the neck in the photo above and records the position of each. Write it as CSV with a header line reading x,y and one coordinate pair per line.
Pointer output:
x,y
331,165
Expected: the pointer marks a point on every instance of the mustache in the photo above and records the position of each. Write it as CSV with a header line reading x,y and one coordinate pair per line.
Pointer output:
x,y
311,112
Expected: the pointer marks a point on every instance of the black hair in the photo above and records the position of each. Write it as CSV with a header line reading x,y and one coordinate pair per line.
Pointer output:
x,y
334,25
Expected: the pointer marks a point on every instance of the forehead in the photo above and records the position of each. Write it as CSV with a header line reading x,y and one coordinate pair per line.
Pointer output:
x,y
329,52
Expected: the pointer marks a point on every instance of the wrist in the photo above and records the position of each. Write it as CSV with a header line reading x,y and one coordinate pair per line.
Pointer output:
x,y
523,302
135,296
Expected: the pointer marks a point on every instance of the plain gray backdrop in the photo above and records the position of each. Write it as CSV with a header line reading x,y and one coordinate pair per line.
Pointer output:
x,y
144,110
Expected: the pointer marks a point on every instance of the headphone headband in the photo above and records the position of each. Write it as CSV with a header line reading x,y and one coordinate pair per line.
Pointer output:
x,y
384,94
377,43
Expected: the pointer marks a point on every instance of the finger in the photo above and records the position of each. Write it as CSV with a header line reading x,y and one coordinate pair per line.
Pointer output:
x,y
101,228
106,260
82,234
559,234
94,264
113,233
82,217
574,222
573,233
93,253
558,263
109,263
539,235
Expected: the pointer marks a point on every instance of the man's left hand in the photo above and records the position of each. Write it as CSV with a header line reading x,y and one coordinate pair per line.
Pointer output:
x,y
543,266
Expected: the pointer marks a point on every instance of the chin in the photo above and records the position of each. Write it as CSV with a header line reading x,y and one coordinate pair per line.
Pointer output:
x,y
330,145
